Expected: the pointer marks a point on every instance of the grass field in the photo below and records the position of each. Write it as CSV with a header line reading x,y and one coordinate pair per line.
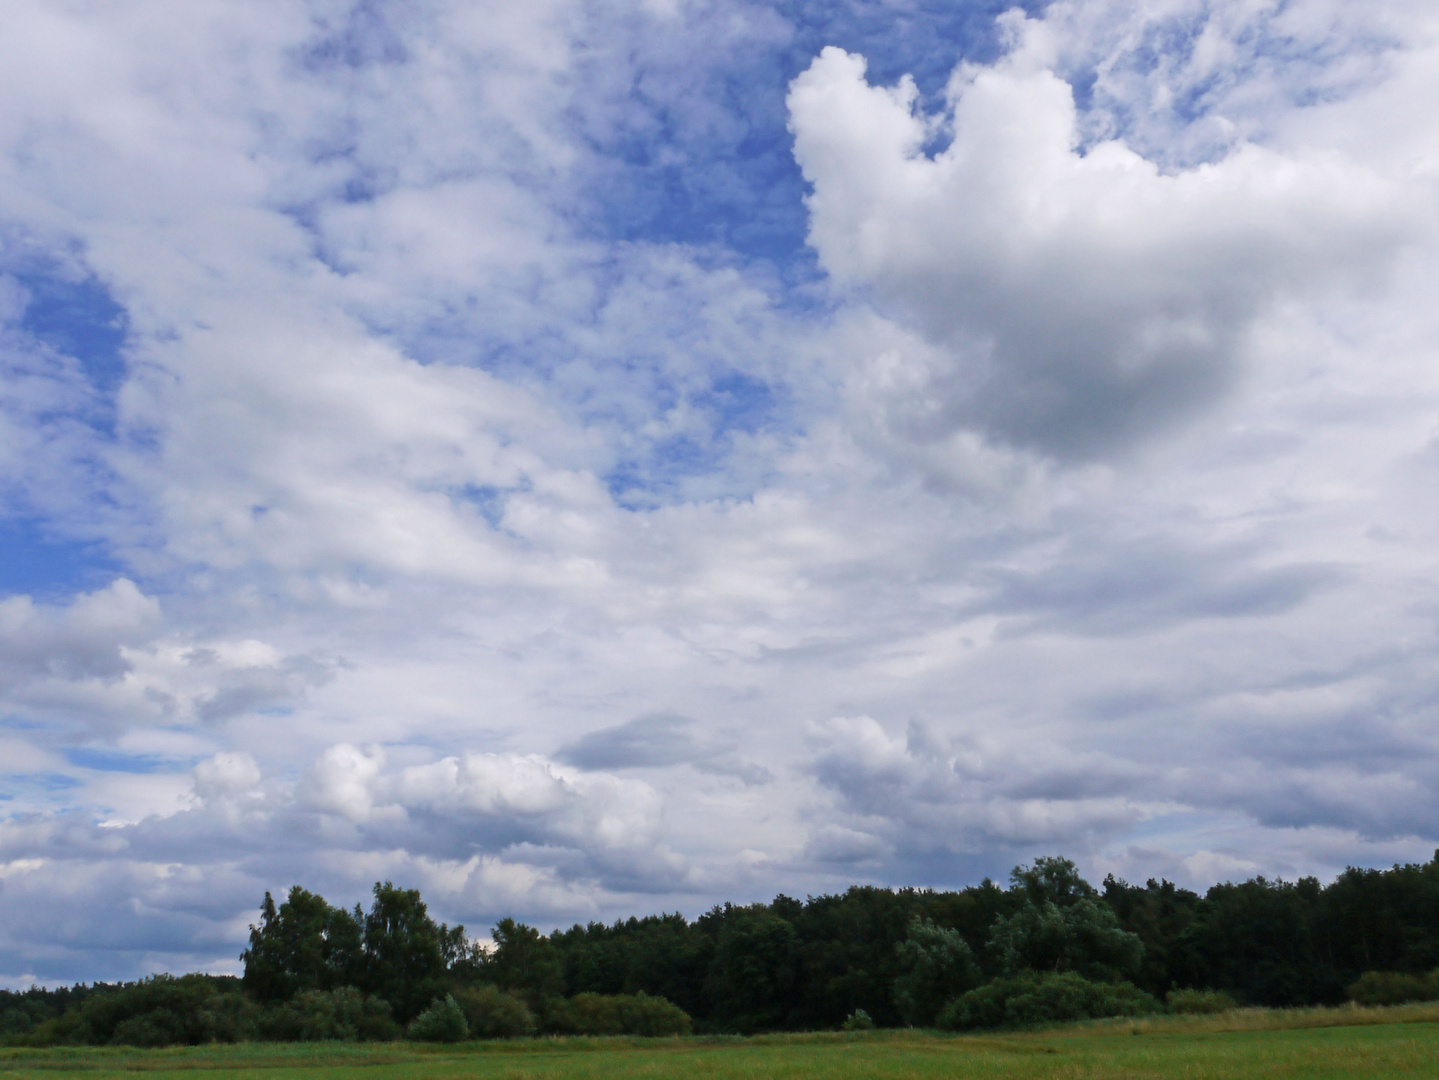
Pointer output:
x,y
1313,1044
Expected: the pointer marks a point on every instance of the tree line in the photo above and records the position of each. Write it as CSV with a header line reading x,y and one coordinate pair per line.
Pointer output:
x,y
1048,946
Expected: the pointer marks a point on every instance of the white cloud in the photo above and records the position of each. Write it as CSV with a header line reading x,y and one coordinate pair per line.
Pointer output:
x,y
85,640
1083,296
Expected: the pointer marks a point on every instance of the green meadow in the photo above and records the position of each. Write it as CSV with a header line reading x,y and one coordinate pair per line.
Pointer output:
x,y
1313,1044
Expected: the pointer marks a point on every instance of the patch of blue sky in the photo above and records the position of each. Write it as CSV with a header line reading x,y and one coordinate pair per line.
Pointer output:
x,y
77,318
488,501
363,35
711,161
35,561
100,760
739,402
48,782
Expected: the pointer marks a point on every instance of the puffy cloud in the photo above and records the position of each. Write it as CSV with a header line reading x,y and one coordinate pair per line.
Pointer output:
x,y
1082,296
922,795
86,639
480,833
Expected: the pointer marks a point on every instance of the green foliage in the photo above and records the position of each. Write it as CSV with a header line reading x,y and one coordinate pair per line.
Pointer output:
x,y
1200,1002
1264,943
615,1014
857,1021
1394,988
524,960
304,945
1160,914
937,965
755,972
344,1015
663,955
407,956
442,1022
1061,925
492,1013
1381,920
1051,880
159,1011
1031,998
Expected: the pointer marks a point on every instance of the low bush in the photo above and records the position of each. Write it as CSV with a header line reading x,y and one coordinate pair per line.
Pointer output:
x,y
1029,998
1394,988
443,1022
1200,1002
859,1020
492,1013
616,1014
319,1015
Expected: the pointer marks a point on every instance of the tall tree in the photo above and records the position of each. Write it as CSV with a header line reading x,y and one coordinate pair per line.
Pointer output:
x,y
407,956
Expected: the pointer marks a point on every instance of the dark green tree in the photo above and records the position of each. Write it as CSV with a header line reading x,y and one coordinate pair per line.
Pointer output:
x,y
1160,914
755,976
1259,941
1062,925
525,961
407,955
938,965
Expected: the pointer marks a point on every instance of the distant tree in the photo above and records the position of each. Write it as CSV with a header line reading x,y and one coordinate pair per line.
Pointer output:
x,y
305,944
848,953
1052,879
1258,940
1380,920
1061,925
1160,914
343,1015
755,975
661,955
525,961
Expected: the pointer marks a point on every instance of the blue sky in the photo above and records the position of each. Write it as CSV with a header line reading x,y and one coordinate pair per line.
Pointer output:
x,y
590,459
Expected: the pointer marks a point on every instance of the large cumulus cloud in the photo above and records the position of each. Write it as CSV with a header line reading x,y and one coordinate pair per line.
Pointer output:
x,y
1082,296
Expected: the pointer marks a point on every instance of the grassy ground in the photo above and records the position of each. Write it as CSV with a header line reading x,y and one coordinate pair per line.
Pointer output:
x,y
1312,1044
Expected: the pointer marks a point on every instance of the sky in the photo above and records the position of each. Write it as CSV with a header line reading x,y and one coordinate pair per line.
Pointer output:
x,y
583,459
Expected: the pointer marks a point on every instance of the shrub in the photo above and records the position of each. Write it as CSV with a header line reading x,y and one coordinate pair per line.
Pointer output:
x,y
492,1013
616,1014
1197,1002
857,1021
318,1015
1393,988
443,1021
1029,998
